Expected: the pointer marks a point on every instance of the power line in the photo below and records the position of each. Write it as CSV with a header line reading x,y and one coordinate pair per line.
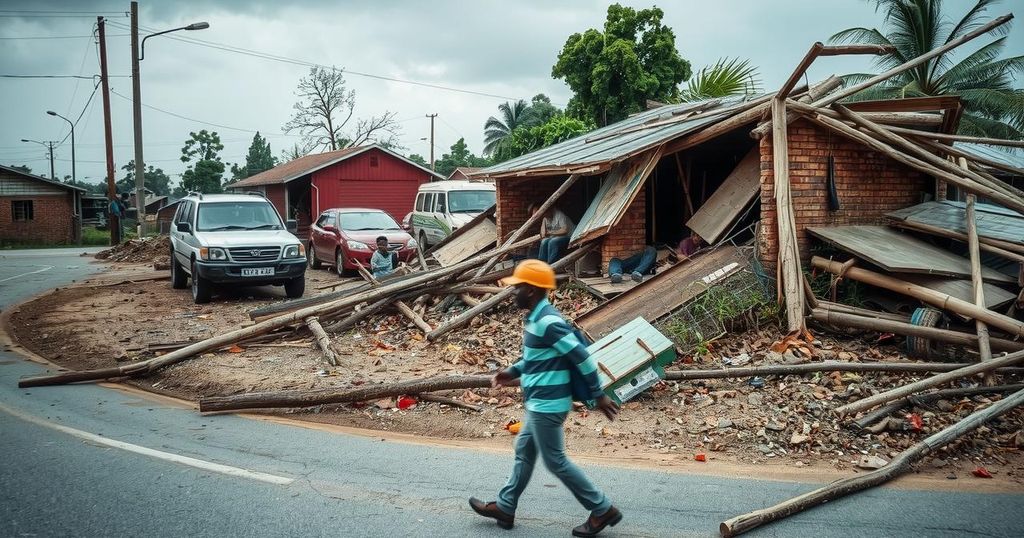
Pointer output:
x,y
169,113
60,11
57,36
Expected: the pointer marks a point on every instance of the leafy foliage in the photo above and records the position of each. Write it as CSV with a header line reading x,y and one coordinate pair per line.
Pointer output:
x,y
156,180
513,116
460,156
418,159
726,78
613,73
205,168
983,79
526,139
259,159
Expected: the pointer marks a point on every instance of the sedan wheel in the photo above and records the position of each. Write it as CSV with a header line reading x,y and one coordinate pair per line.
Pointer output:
x,y
339,262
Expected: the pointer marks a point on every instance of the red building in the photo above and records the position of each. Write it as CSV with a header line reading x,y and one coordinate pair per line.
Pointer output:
x,y
34,209
366,176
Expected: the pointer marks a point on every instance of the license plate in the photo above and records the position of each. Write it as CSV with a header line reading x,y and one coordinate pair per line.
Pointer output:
x,y
257,271
642,381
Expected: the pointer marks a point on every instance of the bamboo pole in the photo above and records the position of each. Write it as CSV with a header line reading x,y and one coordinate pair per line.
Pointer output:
x,y
853,484
908,367
144,367
788,255
268,400
922,399
917,386
862,312
942,232
932,297
955,151
984,347
322,340
958,138
842,319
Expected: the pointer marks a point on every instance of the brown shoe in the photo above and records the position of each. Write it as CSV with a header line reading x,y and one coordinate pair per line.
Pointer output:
x,y
491,510
596,524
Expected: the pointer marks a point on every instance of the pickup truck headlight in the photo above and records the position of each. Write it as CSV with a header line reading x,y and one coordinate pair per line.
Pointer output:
x,y
213,254
295,251
412,244
358,245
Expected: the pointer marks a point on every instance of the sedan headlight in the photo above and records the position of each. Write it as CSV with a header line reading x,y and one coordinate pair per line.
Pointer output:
x,y
213,254
412,244
358,245
294,251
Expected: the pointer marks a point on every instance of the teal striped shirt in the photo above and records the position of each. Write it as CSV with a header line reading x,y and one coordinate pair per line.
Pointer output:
x,y
550,349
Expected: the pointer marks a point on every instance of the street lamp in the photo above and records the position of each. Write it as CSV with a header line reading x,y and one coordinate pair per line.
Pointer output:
x,y
48,144
74,179
140,166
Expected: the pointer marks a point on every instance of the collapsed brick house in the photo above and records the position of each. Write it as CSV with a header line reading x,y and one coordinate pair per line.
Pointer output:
x,y
701,169
35,209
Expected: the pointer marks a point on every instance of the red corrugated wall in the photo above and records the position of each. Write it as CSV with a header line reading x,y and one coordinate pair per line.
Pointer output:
x,y
275,193
391,185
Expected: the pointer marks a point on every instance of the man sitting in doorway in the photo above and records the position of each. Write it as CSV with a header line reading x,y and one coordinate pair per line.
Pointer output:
x,y
690,245
383,262
555,230
637,265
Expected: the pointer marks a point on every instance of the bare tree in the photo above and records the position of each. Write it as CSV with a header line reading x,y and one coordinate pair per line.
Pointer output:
x,y
325,107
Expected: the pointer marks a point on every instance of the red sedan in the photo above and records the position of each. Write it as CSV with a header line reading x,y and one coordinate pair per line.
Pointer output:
x,y
341,236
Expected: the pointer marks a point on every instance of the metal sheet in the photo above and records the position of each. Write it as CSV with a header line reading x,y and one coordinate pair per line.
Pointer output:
x,y
618,190
994,222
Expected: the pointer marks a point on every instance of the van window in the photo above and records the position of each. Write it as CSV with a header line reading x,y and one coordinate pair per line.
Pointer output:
x,y
470,201
419,201
428,202
439,205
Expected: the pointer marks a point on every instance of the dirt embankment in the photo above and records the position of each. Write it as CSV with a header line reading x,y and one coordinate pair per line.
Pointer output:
x,y
783,423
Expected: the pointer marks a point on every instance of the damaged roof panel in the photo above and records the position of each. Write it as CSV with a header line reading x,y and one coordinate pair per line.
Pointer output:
x,y
618,190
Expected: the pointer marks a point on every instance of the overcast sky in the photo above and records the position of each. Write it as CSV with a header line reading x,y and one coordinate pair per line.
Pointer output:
x,y
497,50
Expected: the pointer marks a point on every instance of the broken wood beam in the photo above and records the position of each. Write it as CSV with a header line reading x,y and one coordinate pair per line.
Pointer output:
x,y
359,315
788,255
469,300
909,367
399,304
974,252
932,297
957,152
385,292
958,138
322,340
900,465
928,382
924,399
984,242
841,50
861,312
294,399
842,319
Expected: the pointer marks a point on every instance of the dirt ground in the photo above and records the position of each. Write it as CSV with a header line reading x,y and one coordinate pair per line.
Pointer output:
x,y
775,425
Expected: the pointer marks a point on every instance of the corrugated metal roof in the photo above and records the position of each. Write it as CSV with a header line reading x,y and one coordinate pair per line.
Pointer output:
x,y
620,140
1009,156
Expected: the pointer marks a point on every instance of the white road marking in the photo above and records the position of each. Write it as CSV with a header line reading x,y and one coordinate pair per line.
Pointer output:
x,y
47,268
167,456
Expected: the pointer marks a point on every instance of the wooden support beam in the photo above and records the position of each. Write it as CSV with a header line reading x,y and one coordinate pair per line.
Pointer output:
x,y
685,180
842,50
789,254
402,307
984,347
958,138
844,319
983,242
957,152
906,367
322,340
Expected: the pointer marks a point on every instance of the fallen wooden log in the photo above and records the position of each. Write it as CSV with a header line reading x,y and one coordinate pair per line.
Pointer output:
x,y
917,386
427,397
932,297
268,400
985,242
959,138
841,319
908,367
924,399
386,291
862,312
899,465
283,307
322,340
402,307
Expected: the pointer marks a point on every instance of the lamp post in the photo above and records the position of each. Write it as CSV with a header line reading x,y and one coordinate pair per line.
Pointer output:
x,y
74,179
48,144
140,165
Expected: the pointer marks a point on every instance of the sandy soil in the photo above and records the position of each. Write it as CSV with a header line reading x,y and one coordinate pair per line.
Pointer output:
x,y
784,428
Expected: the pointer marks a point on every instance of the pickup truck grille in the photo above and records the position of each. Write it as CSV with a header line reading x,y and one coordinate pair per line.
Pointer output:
x,y
255,254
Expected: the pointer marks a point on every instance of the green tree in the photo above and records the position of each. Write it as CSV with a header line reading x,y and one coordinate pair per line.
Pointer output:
x,y
513,116
984,80
156,180
726,78
259,159
557,129
460,156
418,159
613,73
205,168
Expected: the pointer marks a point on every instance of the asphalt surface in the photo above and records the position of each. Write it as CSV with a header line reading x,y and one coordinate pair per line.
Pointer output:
x,y
87,460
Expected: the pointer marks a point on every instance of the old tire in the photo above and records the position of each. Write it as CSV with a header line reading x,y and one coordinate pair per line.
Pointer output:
x,y
313,262
179,278
295,287
924,348
201,291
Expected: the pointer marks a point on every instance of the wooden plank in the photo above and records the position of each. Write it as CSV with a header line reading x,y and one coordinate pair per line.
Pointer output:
x,y
730,200
665,292
482,235
994,222
618,190
488,214
607,288
900,253
995,296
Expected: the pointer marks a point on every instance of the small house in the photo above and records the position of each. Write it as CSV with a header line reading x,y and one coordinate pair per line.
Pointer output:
x,y
35,209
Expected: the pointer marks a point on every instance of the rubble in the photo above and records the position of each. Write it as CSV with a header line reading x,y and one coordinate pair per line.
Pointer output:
x,y
148,250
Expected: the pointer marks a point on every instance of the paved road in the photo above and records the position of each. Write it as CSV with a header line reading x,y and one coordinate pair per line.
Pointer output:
x,y
91,461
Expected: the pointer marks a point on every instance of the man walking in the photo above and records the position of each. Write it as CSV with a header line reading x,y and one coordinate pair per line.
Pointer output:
x,y
552,355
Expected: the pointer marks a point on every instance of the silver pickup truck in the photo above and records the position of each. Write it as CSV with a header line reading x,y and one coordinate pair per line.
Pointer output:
x,y
234,239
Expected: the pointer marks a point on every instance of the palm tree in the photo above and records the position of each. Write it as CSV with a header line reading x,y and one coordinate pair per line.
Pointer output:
x,y
496,131
983,80
727,77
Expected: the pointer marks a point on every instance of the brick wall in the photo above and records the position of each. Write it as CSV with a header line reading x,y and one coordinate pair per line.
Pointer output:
x,y
52,220
869,185
630,235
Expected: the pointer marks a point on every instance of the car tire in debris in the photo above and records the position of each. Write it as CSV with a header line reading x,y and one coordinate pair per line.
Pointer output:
x,y
295,287
313,262
200,288
179,278
339,263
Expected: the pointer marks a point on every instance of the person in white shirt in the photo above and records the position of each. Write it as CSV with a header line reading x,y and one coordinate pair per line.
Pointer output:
x,y
555,230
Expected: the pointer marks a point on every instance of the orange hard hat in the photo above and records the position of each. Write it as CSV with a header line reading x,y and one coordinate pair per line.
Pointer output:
x,y
533,272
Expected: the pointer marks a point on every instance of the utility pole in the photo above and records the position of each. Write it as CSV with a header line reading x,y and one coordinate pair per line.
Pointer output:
x,y
53,174
115,221
432,116
140,165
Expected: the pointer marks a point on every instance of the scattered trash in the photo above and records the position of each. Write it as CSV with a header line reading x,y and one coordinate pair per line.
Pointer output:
x,y
872,462
981,472
406,402
514,426
738,360
700,457
756,382
235,349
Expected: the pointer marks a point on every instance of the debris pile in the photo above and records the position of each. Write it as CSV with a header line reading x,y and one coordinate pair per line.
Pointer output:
x,y
148,250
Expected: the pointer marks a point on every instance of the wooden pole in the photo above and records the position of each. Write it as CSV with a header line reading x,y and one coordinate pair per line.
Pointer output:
x,y
984,348
843,319
322,340
953,150
400,305
958,138
788,255
942,232
685,180
853,484
910,367
334,395
922,399
932,297
861,312
917,386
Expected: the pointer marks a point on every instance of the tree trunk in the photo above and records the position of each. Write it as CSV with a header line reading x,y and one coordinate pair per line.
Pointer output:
x,y
322,340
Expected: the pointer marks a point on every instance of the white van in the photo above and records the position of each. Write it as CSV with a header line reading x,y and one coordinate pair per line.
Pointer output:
x,y
443,206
